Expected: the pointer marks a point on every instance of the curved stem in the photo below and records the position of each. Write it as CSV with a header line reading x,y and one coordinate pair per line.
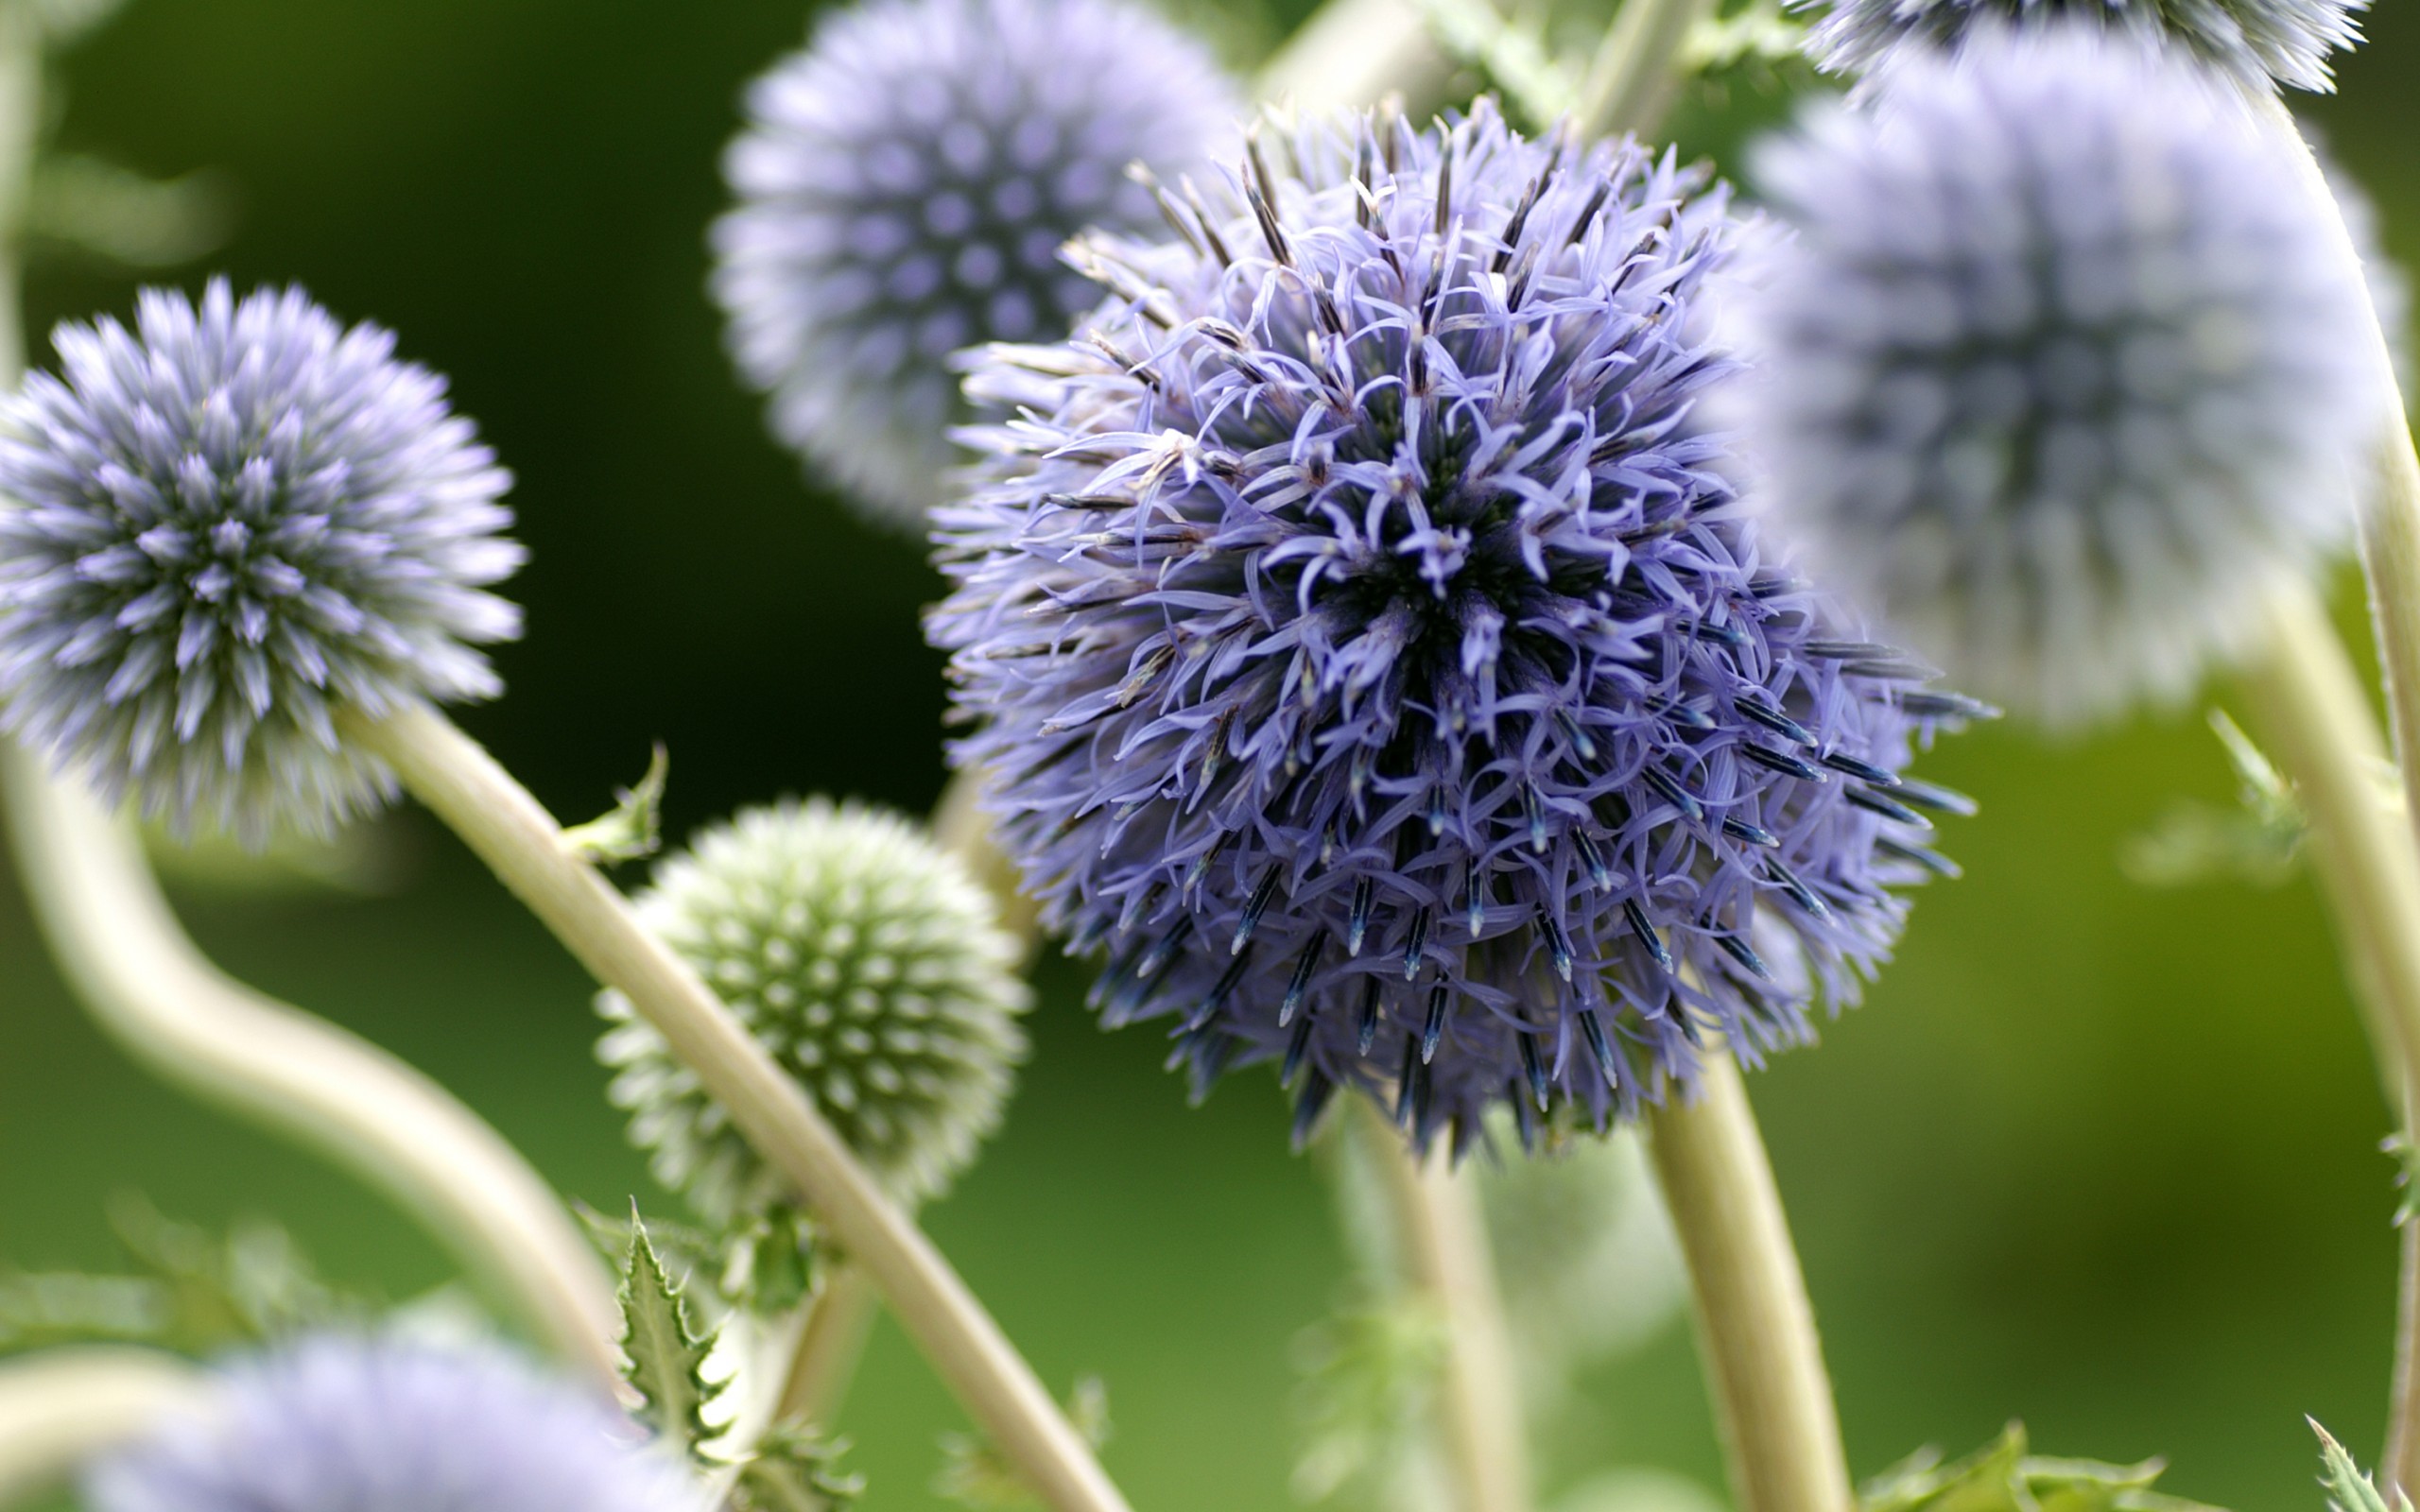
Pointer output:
x,y
838,1321
2317,719
1756,1328
1630,81
59,1408
1446,1258
1351,52
167,1005
508,830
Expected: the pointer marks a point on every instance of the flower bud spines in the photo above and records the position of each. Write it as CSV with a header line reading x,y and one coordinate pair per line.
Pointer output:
x,y
385,1426
1365,649
2061,368
2260,42
218,529
906,185
867,961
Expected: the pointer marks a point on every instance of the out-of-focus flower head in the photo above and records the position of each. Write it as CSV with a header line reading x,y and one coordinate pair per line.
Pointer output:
x,y
219,528
333,1422
906,185
1362,643
2261,43
872,967
2061,368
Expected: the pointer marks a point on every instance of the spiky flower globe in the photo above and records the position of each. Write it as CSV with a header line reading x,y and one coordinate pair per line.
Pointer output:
x,y
905,186
1362,645
2261,43
867,961
219,530
2062,370
368,1425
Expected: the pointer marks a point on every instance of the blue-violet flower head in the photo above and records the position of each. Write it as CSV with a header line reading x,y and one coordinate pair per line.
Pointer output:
x,y
906,185
2260,44
221,527
2063,368
333,1421
1363,645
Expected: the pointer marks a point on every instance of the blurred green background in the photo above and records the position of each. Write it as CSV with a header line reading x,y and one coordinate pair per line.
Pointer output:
x,y
2097,1156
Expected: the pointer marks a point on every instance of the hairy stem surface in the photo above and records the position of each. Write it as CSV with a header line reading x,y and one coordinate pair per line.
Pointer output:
x,y
1756,1328
61,1406
520,842
186,1022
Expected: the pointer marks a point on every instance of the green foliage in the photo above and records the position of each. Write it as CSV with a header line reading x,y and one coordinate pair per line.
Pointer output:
x,y
1759,34
975,1474
665,1359
188,1290
765,1264
1369,1373
1513,56
2258,841
87,206
633,828
794,1469
2349,1490
2002,1477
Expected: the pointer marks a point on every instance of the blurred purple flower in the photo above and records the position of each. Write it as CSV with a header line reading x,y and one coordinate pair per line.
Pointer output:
x,y
2262,43
216,530
1362,643
904,187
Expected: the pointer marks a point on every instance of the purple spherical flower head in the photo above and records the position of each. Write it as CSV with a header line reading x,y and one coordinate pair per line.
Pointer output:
x,y
1363,645
2062,369
222,526
340,1424
2261,43
904,187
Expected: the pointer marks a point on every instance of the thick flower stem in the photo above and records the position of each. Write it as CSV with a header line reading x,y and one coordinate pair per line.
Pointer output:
x,y
165,1005
516,838
838,1321
1351,52
1630,81
1756,1328
2318,721
1442,1235
61,1406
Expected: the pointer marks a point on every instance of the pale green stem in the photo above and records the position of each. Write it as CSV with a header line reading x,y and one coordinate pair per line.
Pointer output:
x,y
2317,720
522,844
1441,1241
1630,82
1755,1329
59,1408
167,1005
838,1321
1353,52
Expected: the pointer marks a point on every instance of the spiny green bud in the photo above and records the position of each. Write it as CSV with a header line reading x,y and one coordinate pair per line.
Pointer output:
x,y
871,966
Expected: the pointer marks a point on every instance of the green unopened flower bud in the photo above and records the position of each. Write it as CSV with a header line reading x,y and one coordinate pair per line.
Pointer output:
x,y
867,961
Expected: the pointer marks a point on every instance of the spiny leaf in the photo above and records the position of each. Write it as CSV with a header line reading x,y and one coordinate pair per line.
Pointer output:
x,y
795,1469
2258,841
1370,1371
2348,1489
974,1473
634,827
664,1358
2002,1477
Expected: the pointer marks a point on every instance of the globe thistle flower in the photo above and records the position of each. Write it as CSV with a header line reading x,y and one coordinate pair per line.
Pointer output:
x,y
2261,43
905,186
218,528
872,967
1362,643
2061,369
383,1426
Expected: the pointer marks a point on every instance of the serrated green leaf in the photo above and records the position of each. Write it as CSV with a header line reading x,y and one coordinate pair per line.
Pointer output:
x,y
795,1469
664,1358
2002,1477
2348,1489
634,827
975,1474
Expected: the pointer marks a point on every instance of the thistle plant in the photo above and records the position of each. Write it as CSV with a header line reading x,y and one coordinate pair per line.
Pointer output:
x,y
1364,645
373,1425
2261,43
906,184
227,523
2061,367
870,966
